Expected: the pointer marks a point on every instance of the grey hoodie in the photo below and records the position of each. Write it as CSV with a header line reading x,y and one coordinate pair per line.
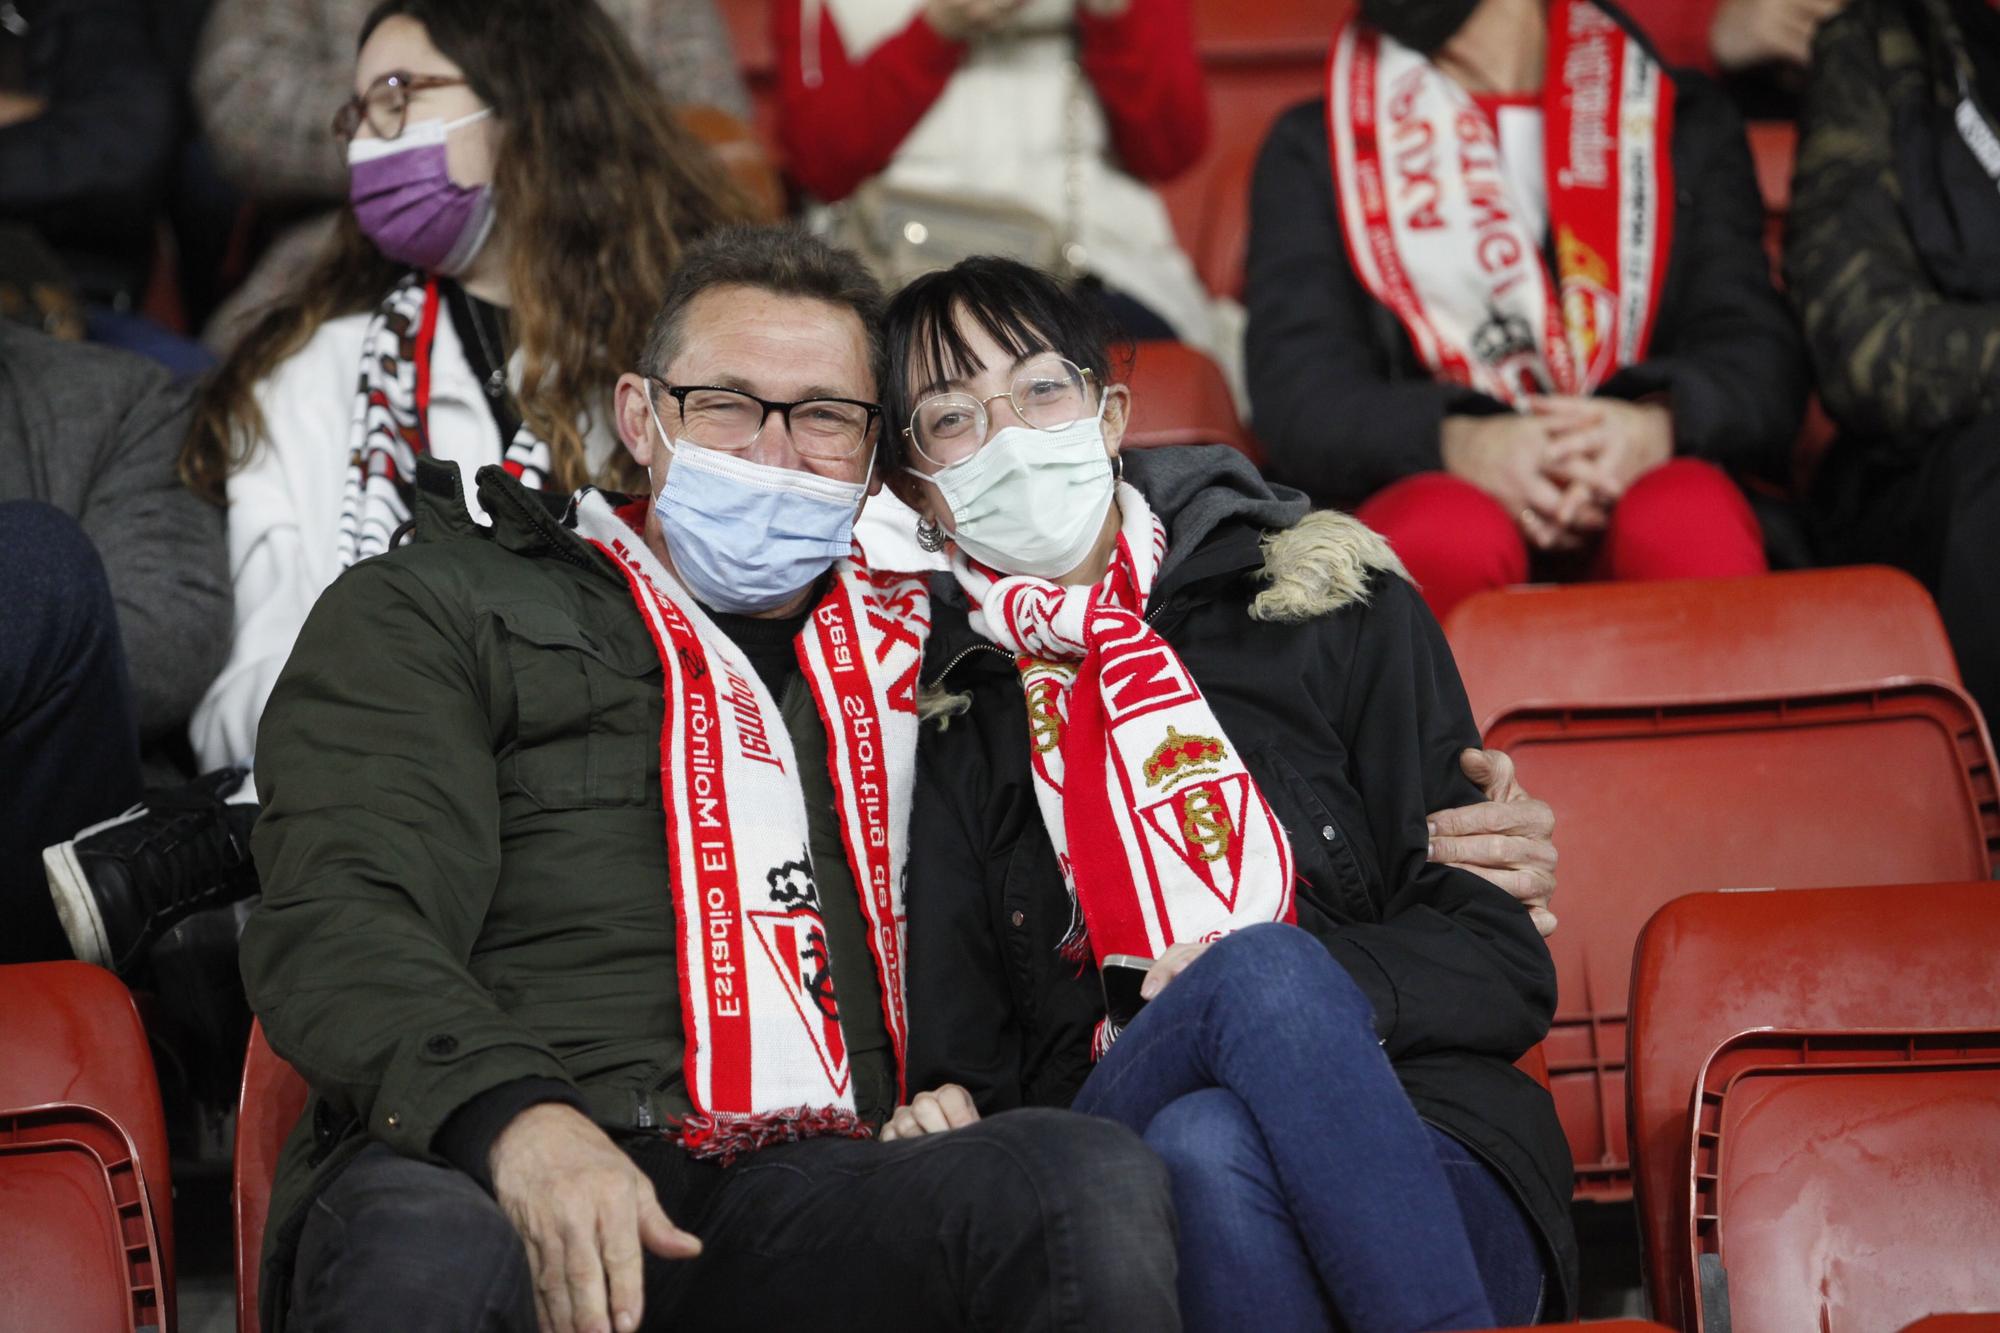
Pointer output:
x,y
95,433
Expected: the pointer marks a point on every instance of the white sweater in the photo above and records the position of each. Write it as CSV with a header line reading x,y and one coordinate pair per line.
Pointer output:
x,y
284,509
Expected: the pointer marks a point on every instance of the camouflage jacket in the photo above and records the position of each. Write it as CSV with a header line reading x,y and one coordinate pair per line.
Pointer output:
x,y
1893,248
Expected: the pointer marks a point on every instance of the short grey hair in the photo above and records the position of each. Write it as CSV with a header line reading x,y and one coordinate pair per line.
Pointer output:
x,y
786,260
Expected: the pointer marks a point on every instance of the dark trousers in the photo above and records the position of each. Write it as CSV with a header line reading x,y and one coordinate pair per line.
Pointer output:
x,y
69,748
1310,1195
1937,516
1030,1220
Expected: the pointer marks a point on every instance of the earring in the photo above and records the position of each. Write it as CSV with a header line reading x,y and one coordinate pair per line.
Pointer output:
x,y
930,537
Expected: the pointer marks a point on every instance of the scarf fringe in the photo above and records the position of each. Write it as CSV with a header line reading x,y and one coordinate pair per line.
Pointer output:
x,y
727,1137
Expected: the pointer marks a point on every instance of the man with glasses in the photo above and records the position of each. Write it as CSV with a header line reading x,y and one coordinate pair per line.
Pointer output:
x,y
583,856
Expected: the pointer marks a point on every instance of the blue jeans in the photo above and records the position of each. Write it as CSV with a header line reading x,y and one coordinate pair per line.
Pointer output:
x,y
69,747
1310,1195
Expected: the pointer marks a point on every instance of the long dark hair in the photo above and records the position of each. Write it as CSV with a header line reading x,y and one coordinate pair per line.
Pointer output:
x,y
597,185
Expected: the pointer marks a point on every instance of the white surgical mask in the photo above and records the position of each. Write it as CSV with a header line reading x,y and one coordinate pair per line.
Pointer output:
x,y
746,537
1031,501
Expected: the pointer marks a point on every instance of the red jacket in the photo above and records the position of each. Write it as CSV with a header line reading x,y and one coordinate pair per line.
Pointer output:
x,y
839,133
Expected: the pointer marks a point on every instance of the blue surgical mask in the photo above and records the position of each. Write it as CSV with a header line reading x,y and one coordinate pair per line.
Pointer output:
x,y
746,537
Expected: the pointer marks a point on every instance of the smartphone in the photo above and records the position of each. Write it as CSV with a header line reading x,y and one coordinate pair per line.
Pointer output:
x,y
1121,974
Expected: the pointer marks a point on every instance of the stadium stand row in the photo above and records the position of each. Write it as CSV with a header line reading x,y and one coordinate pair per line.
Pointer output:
x,y
1815,1122
1798,1086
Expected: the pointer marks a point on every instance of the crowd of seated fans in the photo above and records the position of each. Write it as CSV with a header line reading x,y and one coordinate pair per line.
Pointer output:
x,y
280,278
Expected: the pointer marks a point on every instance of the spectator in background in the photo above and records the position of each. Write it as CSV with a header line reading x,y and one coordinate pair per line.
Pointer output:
x,y
1491,336
1029,128
520,195
1893,260
117,611
88,123
1722,37
268,69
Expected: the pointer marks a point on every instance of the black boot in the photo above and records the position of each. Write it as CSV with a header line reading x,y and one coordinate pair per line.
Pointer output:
x,y
118,886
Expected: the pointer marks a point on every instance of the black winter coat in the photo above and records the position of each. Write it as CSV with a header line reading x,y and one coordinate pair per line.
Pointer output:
x,y
1345,406
1352,721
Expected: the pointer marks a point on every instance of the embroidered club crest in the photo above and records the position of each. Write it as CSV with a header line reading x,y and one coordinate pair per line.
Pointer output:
x,y
1179,758
793,937
1202,824
1045,723
1588,307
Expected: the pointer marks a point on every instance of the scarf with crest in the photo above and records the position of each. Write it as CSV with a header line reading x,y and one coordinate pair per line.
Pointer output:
x,y
390,427
765,1060
1160,829
1434,233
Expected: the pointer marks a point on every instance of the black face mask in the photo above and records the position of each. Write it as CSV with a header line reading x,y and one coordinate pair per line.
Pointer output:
x,y
1421,25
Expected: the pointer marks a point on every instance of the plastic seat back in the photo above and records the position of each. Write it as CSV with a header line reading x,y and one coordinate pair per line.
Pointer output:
x,y
1257,59
1653,801
751,166
1710,966
1845,1182
1691,640
274,1096
85,1183
1180,397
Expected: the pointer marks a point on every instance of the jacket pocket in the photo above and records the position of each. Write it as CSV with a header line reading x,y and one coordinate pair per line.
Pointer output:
x,y
1335,883
587,713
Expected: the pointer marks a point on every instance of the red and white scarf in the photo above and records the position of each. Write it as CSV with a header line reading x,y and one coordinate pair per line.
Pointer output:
x,y
1161,831
766,1059
1433,233
390,426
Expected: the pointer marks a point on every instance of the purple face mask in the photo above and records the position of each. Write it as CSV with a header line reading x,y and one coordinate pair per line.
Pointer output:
x,y
408,204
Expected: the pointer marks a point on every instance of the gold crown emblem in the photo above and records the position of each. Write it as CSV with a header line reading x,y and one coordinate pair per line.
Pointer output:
x,y
1183,756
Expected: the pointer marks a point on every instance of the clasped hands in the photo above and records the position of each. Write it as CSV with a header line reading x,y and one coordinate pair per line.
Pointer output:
x,y
1559,466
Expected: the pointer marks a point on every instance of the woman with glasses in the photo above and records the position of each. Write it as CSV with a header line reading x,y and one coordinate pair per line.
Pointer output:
x,y
1170,864
518,196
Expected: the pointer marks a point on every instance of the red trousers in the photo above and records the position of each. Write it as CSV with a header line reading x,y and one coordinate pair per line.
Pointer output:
x,y
1685,519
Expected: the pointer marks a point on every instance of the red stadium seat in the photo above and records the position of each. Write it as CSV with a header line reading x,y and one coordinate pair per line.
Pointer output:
x,y
1795,730
1180,397
1222,237
1845,1181
1696,640
750,165
86,1237
274,1096
1957,1323
1259,59
750,33
1774,145
1711,966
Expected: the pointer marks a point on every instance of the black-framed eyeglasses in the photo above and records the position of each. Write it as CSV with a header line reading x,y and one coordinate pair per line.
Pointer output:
x,y
386,104
730,420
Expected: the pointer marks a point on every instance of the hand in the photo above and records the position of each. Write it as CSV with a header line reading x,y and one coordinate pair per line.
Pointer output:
x,y
19,108
963,20
939,1111
1170,965
1604,444
583,1210
1505,456
1746,33
1508,840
